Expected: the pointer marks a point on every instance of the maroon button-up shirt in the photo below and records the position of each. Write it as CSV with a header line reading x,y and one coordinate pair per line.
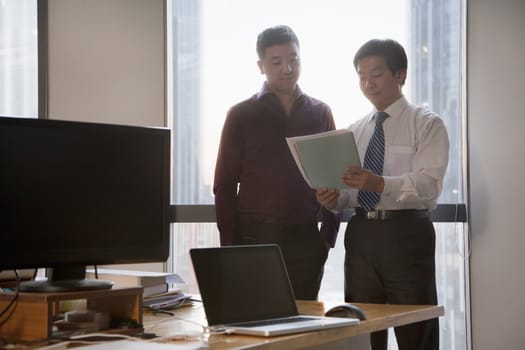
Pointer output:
x,y
256,176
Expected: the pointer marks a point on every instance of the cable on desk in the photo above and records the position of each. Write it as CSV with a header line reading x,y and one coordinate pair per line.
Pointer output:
x,y
171,317
12,302
184,336
155,310
89,338
94,337
213,330
185,301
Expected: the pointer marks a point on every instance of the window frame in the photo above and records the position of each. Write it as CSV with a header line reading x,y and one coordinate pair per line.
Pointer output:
x,y
186,213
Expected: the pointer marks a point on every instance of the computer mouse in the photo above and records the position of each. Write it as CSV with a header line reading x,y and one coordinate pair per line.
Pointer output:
x,y
346,310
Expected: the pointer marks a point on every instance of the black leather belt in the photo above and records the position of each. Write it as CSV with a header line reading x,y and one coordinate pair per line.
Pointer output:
x,y
391,214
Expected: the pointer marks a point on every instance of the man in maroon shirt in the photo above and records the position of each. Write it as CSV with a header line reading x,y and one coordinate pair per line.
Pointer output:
x,y
260,195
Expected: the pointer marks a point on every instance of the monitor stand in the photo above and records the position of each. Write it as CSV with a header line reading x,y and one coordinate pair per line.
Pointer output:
x,y
35,316
65,279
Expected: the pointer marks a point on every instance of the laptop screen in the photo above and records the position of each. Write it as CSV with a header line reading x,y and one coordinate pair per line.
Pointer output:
x,y
243,283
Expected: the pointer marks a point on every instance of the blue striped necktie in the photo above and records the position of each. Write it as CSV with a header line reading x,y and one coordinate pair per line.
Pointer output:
x,y
374,157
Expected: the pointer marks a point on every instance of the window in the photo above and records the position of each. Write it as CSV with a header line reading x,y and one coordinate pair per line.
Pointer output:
x,y
214,67
18,58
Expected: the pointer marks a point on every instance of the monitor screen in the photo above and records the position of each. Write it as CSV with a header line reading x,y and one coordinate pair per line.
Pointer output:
x,y
74,194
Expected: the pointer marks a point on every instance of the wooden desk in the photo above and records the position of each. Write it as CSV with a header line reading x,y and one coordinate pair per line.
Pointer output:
x,y
186,328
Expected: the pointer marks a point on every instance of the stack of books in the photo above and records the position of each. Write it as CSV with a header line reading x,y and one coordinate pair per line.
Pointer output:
x,y
154,283
162,291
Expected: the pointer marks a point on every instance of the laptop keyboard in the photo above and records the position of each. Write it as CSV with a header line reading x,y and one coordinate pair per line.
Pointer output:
x,y
275,321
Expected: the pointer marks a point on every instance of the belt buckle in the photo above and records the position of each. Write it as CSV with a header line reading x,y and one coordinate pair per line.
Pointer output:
x,y
372,215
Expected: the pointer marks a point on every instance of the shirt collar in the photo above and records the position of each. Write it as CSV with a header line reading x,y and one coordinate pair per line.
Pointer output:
x,y
393,110
265,90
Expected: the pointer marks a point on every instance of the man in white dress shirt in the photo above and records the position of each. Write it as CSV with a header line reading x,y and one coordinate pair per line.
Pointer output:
x,y
390,247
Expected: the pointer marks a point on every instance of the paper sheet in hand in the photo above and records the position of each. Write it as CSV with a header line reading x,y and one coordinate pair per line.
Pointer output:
x,y
323,158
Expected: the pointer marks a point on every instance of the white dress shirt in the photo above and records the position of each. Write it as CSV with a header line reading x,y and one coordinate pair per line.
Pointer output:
x,y
416,157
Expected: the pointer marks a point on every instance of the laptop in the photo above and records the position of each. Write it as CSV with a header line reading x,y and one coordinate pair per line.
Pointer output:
x,y
246,290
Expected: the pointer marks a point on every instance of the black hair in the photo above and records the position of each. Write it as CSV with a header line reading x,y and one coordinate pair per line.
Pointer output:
x,y
393,53
276,35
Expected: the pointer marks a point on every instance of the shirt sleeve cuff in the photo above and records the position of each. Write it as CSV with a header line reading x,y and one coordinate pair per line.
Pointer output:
x,y
392,185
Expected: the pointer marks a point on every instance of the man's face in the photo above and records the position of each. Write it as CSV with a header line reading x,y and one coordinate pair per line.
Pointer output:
x,y
378,84
282,67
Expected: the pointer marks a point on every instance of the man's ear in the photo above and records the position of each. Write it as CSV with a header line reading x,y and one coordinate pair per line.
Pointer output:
x,y
261,66
401,74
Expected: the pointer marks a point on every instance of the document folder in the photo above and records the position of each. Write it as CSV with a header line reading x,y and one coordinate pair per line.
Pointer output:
x,y
323,158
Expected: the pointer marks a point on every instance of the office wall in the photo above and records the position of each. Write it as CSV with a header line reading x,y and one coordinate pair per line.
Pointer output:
x,y
106,61
496,114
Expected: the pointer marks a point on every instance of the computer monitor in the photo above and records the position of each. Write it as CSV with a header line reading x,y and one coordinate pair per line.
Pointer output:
x,y
77,194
